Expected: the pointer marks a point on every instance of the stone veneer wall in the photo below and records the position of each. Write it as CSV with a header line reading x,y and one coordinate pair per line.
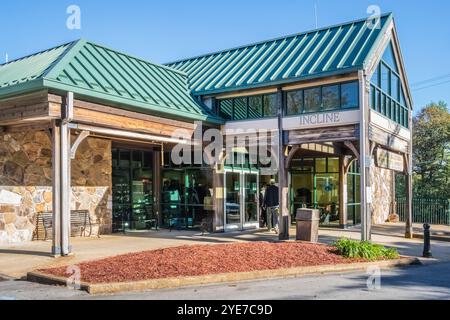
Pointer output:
x,y
26,170
382,194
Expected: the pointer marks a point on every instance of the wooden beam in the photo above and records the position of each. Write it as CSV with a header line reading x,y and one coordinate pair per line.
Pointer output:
x,y
27,107
282,175
409,233
352,147
83,108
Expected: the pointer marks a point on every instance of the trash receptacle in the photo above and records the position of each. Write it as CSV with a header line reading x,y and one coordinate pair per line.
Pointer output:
x,y
308,225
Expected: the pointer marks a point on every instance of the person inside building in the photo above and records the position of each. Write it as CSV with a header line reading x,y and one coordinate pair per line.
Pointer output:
x,y
262,207
272,203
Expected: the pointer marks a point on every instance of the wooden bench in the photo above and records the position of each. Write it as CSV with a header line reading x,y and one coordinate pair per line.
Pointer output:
x,y
80,225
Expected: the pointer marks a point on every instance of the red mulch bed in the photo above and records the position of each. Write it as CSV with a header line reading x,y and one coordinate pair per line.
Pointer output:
x,y
201,260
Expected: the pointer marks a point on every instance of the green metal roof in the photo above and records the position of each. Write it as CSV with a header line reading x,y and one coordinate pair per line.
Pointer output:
x,y
100,74
333,50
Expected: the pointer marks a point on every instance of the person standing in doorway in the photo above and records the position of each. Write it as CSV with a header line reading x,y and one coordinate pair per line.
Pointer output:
x,y
272,204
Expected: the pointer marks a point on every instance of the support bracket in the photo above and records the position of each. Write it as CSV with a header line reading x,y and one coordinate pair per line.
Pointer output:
x,y
83,135
352,147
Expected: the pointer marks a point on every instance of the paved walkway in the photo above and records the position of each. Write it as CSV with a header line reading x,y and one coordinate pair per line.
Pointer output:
x,y
17,260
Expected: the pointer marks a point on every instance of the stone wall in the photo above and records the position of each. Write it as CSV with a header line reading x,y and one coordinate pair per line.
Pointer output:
x,y
26,171
382,194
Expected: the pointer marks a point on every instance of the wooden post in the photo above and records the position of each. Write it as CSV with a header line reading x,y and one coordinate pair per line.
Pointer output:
x,y
283,187
218,200
343,197
56,188
409,233
157,164
365,161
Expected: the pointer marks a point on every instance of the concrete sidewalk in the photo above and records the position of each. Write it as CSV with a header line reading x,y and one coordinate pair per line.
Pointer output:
x,y
17,260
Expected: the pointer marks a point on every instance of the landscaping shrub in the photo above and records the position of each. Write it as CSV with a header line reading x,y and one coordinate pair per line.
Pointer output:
x,y
364,250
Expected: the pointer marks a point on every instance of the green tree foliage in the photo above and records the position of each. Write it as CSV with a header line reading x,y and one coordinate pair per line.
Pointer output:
x,y
431,152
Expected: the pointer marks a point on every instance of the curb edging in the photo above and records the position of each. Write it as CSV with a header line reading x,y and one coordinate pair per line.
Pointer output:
x,y
171,283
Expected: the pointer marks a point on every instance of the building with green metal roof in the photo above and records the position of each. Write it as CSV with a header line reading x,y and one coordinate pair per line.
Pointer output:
x,y
97,73
333,104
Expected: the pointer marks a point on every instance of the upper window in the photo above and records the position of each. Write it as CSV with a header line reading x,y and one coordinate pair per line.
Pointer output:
x,y
330,97
312,100
387,96
326,98
253,107
389,58
294,102
350,95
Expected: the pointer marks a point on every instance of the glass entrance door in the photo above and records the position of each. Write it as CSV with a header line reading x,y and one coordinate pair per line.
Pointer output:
x,y
241,201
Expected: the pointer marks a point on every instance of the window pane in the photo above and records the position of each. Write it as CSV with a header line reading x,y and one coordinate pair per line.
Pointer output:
x,y
373,98
402,116
321,165
383,104
406,118
270,105
402,97
294,102
312,100
375,77
255,107
330,97
226,109
389,57
388,108
392,117
385,74
333,165
395,92
240,108
350,95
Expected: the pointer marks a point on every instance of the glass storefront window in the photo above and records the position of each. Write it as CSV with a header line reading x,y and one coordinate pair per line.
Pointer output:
x,y
132,178
333,165
321,165
186,197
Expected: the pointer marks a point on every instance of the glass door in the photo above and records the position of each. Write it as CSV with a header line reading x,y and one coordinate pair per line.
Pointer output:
x,y
241,200
251,200
232,201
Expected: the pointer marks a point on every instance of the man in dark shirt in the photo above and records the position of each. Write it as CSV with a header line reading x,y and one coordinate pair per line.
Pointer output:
x,y
272,203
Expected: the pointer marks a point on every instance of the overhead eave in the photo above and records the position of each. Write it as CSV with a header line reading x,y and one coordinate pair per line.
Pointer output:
x,y
128,104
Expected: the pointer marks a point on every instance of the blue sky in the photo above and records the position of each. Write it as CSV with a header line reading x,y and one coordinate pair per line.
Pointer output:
x,y
163,31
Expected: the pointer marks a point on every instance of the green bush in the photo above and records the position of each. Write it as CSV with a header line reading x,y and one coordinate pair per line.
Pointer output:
x,y
364,250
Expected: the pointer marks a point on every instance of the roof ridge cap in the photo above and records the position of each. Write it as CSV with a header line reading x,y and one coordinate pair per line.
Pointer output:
x,y
159,65
37,53
302,33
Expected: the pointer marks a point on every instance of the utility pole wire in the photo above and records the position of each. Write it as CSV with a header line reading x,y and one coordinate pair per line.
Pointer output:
x,y
420,83
432,85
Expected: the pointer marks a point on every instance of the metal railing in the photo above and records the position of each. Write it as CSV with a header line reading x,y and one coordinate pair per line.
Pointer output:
x,y
432,211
